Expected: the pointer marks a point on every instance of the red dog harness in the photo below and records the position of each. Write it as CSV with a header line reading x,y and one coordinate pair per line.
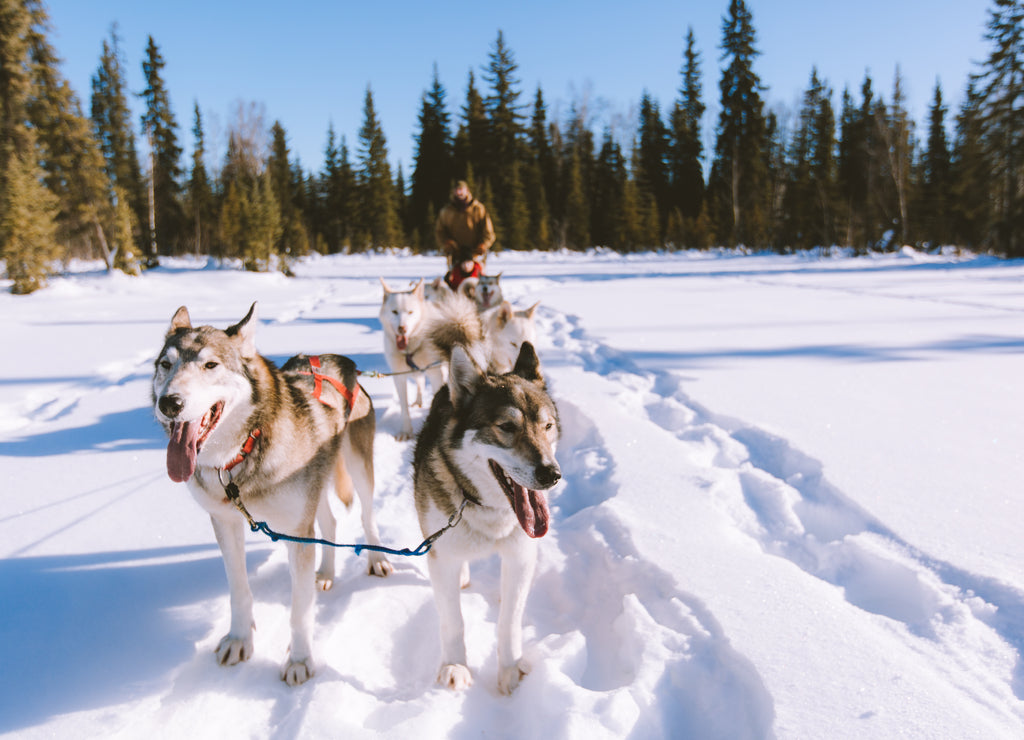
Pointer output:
x,y
318,385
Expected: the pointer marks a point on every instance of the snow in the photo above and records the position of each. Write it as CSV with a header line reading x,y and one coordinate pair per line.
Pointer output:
x,y
791,509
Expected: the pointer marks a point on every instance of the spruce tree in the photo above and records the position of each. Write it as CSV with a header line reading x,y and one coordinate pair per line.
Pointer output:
x,y
1001,97
471,147
72,164
15,83
160,129
652,166
935,187
542,181
809,193
504,136
378,212
112,125
432,174
28,233
686,153
739,172
971,211
201,207
286,184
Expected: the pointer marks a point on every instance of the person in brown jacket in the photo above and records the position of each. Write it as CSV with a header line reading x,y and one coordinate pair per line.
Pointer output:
x,y
464,232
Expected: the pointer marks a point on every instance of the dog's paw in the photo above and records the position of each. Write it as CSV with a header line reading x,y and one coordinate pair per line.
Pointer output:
x,y
464,575
379,565
510,676
233,650
404,435
297,672
324,582
455,677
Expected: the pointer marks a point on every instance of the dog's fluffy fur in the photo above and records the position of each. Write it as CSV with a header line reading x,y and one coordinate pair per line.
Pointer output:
x,y
489,439
211,389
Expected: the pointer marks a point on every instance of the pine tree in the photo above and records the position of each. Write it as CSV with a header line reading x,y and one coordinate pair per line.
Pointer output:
x,y
738,185
160,130
577,213
809,194
72,163
652,166
1001,96
378,212
971,210
686,152
504,136
610,173
896,137
15,84
471,147
28,233
111,118
201,210
542,175
122,235
935,188
432,175
286,183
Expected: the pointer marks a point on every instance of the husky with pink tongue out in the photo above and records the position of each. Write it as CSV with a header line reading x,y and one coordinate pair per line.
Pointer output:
x,y
280,437
487,450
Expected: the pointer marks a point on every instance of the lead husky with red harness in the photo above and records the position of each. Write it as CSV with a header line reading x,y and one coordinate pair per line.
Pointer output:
x,y
277,436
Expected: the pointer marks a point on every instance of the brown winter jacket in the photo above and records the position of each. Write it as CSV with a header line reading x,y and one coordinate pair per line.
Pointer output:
x,y
464,232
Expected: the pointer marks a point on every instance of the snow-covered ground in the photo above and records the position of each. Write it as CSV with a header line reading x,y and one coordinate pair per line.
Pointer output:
x,y
791,508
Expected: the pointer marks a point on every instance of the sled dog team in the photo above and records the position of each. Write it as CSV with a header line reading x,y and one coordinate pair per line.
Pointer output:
x,y
277,439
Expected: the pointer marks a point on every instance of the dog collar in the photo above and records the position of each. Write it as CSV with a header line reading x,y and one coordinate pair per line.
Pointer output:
x,y
247,448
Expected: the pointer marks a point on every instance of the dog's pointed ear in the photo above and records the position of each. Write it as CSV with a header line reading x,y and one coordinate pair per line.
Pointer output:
x,y
245,330
417,291
504,314
528,313
463,376
180,320
387,290
528,364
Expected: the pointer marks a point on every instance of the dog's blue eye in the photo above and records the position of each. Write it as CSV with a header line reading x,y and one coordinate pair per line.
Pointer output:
x,y
210,365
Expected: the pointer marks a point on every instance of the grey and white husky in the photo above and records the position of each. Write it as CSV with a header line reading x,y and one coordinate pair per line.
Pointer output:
x,y
487,449
281,436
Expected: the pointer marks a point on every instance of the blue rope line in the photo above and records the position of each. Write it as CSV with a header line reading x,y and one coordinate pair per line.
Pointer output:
x,y
424,547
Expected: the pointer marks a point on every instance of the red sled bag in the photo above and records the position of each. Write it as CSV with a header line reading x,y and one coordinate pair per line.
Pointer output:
x,y
455,276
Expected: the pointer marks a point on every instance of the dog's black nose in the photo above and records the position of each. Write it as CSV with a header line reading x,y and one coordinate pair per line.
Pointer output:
x,y
548,475
170,406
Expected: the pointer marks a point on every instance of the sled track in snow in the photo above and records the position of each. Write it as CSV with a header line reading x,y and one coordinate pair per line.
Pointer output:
x,y
782,499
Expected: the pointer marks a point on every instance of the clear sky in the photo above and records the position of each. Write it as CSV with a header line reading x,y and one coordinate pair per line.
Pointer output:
x,y
309,62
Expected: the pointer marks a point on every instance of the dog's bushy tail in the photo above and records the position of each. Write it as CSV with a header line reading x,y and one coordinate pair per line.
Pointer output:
x,y
456,323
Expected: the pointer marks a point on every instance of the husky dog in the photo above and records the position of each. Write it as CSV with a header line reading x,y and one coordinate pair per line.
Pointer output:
x,y
506,330
495,336
485,291
278,437
403,316
437,290
487,449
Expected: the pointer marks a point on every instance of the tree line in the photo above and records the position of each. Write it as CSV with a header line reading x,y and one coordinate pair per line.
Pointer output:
x,y
74,183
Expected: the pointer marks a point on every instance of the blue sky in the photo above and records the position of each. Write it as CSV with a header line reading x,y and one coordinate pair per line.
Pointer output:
x,y
309,62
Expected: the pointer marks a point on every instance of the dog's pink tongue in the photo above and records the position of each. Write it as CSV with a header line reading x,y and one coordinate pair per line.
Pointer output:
x,y
532,511
182,450
402,341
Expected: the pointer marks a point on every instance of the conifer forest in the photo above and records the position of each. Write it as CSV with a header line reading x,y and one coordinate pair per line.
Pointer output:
x,y
83,177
